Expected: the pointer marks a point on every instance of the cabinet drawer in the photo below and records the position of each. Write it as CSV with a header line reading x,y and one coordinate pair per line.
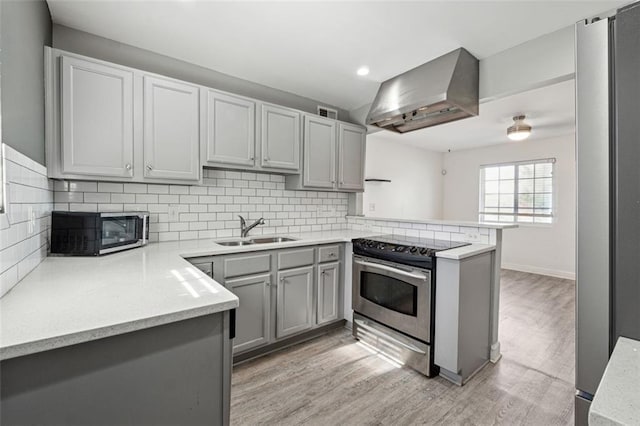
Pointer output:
x,y
295,258
247,265
328,253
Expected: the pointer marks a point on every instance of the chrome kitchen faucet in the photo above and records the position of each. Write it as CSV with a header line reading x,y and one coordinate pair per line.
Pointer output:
x,y
244,229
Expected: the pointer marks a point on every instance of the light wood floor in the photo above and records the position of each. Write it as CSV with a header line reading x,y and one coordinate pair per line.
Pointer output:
x,y
334,381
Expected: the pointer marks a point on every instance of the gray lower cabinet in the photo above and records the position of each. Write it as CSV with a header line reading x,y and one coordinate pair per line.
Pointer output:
x,y
328,292
172,374
282,292
462,323
253,315
295,301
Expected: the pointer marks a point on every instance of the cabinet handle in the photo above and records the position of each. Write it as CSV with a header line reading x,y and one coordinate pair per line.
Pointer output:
x,y
268,284
252,158
127,166
149,167
281,280
333,181
332,254
266,159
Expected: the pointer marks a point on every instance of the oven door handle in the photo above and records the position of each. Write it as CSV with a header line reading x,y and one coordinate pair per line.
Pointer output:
x,y
415,275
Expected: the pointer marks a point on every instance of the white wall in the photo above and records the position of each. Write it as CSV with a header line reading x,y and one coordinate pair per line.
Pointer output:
x,y
545,249
415,191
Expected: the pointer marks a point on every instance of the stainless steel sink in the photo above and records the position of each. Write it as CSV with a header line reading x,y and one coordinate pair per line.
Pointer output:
x,y
271,240
235,243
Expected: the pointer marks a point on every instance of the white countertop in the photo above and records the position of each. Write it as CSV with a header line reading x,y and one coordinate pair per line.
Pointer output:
x,y
70,300
617,400
465,251
490,225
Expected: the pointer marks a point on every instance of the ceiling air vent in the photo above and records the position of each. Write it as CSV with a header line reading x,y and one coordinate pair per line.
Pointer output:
x,y
327,112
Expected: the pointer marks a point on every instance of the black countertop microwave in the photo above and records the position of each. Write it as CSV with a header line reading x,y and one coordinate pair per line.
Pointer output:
x,y
94,234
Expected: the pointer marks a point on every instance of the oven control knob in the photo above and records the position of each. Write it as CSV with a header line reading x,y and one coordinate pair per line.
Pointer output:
x,y
413,249
424,251
399,249
381,246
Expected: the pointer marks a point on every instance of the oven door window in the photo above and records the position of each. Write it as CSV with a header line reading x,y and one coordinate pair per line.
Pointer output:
x,y
389,293
119,231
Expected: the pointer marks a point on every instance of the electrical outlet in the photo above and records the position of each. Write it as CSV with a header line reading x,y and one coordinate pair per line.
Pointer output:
x,y
372,207
173,213
472,237
31,221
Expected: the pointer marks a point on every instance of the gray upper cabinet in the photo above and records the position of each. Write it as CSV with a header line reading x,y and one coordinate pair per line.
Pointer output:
x,y
96,119
252,316
280,138
328,292
351,154
295,301
171,129
231,135
319,152
333,156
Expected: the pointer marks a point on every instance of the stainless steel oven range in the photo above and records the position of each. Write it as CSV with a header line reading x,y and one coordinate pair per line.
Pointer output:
x,y
394,295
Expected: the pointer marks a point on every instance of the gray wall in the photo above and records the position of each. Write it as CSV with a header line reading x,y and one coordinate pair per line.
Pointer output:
x,y
87,44
25,27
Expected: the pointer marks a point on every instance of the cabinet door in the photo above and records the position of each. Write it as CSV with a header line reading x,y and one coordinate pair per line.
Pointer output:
x,y
252,316
319,152
295,299
171,129
351,152
280,138
231,130
97,119
328,292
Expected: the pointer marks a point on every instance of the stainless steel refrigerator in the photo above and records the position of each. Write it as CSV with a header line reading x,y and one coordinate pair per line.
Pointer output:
x,y
608,169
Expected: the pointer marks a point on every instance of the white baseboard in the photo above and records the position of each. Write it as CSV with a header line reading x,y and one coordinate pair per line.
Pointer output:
x,y
541,271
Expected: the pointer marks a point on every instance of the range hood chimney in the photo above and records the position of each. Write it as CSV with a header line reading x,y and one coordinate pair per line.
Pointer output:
x,y
440,91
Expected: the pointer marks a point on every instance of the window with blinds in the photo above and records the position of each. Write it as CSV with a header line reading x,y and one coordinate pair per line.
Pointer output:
x,y
519,192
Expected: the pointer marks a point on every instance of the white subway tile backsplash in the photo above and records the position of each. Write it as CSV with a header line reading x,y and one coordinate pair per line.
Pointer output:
x,y
211,210
158,189
84,186
96,197
135,188
433,231
122,198
25,225
110,187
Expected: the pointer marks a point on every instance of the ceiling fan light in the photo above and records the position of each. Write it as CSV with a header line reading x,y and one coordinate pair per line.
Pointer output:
x,y
520,130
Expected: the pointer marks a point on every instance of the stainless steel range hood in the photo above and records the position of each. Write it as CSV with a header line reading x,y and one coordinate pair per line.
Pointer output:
x,y
440,91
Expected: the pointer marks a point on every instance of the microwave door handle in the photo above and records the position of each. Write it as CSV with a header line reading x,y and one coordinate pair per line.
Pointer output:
x,y
143,230
415,275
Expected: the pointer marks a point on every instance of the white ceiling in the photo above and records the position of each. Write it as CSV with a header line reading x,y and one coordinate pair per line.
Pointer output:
x,y
314,48
550,110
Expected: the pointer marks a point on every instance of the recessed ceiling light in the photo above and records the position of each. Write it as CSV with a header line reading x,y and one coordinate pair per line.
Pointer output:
x,y
363,71
520,130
